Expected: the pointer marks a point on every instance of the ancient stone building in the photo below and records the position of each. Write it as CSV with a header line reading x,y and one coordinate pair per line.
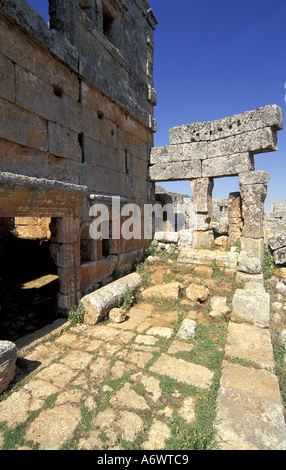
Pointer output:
x,y
202,152
76,100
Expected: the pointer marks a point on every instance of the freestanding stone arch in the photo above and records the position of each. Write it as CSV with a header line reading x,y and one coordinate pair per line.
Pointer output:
x,y
201,152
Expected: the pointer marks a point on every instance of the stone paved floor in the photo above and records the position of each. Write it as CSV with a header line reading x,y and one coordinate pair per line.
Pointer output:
x,y
120,386
111,372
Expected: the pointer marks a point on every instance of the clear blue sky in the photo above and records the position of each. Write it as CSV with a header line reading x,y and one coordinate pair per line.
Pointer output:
x,y
214,59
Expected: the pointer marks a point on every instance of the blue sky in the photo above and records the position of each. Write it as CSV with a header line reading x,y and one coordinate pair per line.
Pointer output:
x,y
214,59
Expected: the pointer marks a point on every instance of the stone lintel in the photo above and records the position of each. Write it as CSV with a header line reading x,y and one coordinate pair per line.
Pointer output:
x,y
267,116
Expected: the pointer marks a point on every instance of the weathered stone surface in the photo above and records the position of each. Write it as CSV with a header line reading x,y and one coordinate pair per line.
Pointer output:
x,y
186,169
207,258
167,237
57,425
267,116
162,331
157,436
187,330
118,315
230,165
250,410
280,256
251,343
242,277
251,306
171,290
253,197
197,293
99,303
95,271
8,357
248,264
183,371
219,307
254,247
254,177
278,241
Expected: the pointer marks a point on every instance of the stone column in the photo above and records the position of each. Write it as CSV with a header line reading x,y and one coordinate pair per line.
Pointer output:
x,y
234,217
253,191
202,189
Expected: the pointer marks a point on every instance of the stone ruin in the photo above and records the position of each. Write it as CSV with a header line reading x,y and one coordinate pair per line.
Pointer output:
x,y
202,152
77,126
77,99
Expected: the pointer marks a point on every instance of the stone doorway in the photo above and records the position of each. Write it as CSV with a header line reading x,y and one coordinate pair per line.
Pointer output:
x,y
29,285
25,197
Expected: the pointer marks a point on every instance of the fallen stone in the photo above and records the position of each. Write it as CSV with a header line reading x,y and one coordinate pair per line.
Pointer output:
x,y
117,315
171,290
280,256
219,307
278,241
99,303
196,292
8,357
251,306
183,371
187,330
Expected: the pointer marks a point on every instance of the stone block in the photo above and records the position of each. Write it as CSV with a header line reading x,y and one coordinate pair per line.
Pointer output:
x,y
280,256
127,260
167,237
202,190
64,142
242,277
253,197
187,330
178,153
254,247
185,170
96,271
254,177
251,306
23,127
8,357
230,165
267,116
277,241
7,83
249,265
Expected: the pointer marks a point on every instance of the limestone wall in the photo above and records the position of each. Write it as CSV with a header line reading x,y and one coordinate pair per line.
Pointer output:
x,y
76,100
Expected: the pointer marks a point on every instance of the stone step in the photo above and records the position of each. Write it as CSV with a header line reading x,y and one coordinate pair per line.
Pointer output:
x,y
195,257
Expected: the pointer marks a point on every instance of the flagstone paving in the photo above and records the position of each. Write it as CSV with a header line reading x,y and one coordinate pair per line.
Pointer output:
x,y
118,386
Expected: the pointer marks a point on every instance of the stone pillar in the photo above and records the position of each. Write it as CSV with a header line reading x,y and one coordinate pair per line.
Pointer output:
x,y
253,191
235,222
65,250
202,189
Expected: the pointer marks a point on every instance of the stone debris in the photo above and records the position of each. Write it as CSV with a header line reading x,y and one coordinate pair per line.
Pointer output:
x,y
187,330
219,307
197,293
118,315
171,290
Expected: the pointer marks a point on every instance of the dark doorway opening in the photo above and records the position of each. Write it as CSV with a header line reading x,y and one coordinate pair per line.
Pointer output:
x,y
28,288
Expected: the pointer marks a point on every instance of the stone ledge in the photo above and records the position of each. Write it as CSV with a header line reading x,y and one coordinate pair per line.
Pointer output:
x,y
8,357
